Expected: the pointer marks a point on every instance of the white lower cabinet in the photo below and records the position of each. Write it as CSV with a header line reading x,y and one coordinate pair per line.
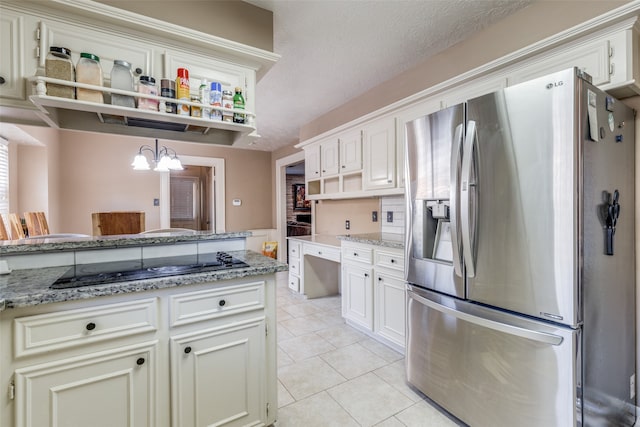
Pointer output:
x,y
200,355
109,388
357,295
216,376
373,291
390,308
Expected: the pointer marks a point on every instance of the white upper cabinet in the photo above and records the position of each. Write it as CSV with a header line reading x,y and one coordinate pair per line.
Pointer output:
x,y
380,154
329,158
312,162
350,151
12,56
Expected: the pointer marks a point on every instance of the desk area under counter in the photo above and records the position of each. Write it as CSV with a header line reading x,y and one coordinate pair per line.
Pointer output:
x,y
366,269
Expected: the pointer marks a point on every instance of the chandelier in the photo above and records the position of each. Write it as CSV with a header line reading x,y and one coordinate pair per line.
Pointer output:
x,y
164,158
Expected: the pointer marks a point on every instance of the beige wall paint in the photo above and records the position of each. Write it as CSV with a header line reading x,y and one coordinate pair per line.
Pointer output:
x,y
230,19
330,216
508,35
91,172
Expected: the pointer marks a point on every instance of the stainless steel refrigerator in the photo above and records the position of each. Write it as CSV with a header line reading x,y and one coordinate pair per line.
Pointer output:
x,y
520,256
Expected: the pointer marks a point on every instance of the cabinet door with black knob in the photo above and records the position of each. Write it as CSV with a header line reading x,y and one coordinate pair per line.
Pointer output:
x,y
217,374
106,388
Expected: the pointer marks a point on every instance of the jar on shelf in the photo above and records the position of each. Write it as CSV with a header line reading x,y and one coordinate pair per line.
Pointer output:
x,y
122,78
147,86
58,65
168,90
227,102
196,110
89,71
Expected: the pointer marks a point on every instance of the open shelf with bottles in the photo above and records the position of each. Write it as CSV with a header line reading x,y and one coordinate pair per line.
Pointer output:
x,y
66,113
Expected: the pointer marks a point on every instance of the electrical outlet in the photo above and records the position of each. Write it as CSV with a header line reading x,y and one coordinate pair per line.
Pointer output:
x,y
389,216
374,216
347,224
156,202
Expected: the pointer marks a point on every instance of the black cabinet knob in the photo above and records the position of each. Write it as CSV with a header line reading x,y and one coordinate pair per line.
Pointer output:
x,y
138,70
393,260
140,361
2,80
366,274
379,279
221,303
187,350
91,326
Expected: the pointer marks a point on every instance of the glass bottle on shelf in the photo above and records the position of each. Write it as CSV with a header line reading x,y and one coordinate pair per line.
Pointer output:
x,y
238,104
89,71
122,78
58,65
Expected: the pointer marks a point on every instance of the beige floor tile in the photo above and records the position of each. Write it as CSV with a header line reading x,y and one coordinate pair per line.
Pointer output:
x,y
369,399
353,360
282,315
341,335
385,352
301,309
306,346
328,318
390,422
422,414
307,377
283,358
283,333
319,410
284,397
394,374
327,303
303,325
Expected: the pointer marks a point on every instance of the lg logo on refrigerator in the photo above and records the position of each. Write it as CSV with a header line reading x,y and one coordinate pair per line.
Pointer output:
x,y
556,84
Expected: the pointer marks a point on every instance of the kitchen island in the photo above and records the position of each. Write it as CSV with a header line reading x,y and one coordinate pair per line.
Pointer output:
x,y
193,349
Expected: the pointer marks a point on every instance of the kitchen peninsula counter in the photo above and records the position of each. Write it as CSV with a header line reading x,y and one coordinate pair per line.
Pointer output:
x,y
57,244
29,287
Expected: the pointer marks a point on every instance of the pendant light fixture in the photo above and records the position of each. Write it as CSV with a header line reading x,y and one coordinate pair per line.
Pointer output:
x,y
164,158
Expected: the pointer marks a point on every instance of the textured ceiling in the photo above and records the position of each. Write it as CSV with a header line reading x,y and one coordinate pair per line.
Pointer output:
x,y
335,50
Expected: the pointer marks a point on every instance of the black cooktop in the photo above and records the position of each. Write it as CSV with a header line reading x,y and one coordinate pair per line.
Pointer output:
x,y
124,271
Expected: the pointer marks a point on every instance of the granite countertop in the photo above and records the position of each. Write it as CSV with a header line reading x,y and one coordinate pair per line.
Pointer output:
x,y
24,288
47,244
321,239
388,240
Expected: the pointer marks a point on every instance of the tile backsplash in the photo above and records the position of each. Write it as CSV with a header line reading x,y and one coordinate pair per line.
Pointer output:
x,y
394,205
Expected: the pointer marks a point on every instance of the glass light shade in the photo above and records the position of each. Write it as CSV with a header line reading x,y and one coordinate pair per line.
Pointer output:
x,y
175,164
140,163
163,164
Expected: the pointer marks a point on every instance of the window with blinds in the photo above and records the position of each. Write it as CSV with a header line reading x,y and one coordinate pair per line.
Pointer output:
x,y
4,176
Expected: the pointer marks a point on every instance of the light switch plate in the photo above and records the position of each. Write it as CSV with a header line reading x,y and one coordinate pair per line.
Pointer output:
x,y
237,202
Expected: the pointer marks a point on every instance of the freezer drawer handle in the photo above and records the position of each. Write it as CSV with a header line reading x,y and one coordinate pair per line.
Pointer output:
x,y
497,326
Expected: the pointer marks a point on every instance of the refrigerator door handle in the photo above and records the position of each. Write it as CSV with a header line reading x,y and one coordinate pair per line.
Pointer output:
x,y
454,199
538,336
466,188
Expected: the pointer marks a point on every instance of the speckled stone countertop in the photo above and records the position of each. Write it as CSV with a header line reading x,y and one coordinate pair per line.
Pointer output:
x,y
24,288
380,239
57,244
321,239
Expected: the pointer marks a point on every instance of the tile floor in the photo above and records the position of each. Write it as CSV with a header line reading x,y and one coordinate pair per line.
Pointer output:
x,y
330,374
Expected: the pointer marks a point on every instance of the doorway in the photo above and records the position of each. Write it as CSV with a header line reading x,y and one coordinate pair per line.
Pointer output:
x,y
189,198
285,200
213,197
